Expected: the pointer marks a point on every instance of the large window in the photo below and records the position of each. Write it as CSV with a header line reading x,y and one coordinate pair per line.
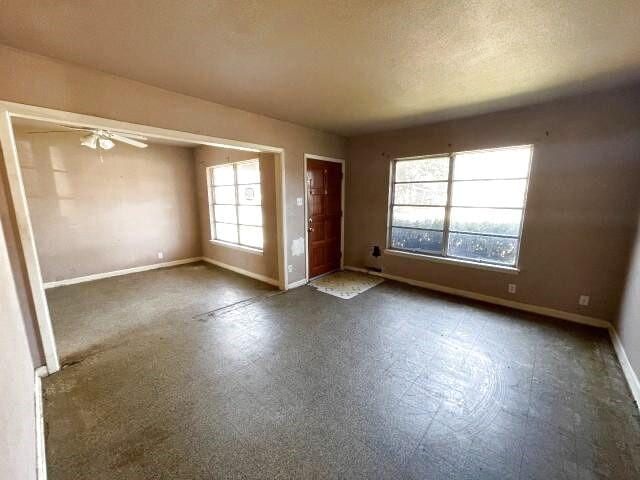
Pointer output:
x,y
235,201
467,205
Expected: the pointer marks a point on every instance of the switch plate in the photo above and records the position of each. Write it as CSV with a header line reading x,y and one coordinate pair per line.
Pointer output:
x,y
511,288
290,268
583,300
160,255
299,201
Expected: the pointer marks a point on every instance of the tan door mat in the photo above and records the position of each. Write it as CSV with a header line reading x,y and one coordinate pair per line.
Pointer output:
x,y
345,284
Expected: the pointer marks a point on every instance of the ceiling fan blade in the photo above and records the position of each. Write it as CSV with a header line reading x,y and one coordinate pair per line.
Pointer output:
x,y
104,132
128,135
130,141
51,131
82,129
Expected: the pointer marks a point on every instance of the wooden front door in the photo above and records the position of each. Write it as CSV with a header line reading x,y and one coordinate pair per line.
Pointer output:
x,y
324,221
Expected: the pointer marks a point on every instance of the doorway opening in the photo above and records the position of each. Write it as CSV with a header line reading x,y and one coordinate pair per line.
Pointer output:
x,y
105,134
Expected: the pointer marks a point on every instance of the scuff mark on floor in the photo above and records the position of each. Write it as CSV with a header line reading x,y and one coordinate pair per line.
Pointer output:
x,y
218,312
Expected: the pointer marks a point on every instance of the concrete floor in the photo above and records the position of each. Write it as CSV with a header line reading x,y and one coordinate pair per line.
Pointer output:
x,y
398,382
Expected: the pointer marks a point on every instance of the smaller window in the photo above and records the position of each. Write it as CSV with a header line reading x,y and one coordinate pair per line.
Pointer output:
x,y
235,203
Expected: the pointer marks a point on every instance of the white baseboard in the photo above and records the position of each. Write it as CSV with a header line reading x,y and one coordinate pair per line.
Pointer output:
x,y
627,369
550,312
358,269
242,271
297,284
41,457
115,273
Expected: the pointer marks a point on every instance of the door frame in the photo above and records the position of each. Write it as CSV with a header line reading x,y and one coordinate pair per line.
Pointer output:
x,y
18,199
310,156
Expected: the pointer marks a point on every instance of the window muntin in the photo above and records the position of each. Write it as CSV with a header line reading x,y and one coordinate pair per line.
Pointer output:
x,y
235,203
466,205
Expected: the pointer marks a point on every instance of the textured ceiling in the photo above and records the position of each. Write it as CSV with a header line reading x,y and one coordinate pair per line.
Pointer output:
x,y
346,66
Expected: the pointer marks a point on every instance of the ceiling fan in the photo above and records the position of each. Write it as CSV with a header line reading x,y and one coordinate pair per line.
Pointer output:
x,y
101,139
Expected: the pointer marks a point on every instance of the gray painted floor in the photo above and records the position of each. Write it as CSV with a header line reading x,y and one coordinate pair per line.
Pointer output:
x,y
93,316
396,383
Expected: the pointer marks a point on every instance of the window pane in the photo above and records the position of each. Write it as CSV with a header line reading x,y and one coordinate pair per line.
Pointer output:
x,y
248,172
225,213
223,175
249,194
504,163
482,248
226,232
250,215
421,241
418,217
212,223
424,169
489,193
225,195
420,193
486,220
251,236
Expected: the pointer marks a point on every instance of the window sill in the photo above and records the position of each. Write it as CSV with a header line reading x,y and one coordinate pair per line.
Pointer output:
x,y
453,261
235,246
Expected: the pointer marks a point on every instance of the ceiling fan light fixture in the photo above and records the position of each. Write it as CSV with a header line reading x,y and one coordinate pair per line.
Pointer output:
x,y
105,143
90,141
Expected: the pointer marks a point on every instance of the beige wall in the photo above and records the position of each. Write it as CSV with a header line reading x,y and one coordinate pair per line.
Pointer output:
x,y
581,208
265,264
629,321
36,80
93,216
17,413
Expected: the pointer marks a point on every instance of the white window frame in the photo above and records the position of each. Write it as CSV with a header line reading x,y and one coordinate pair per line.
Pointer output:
x,y
212,215
444,256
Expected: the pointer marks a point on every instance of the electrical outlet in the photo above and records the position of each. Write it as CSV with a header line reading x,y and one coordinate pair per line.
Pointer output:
x,y
299,201
583,300
290,268
160,255
511,288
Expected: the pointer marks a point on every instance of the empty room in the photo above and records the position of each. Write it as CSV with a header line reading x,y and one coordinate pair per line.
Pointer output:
x,y
277,239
